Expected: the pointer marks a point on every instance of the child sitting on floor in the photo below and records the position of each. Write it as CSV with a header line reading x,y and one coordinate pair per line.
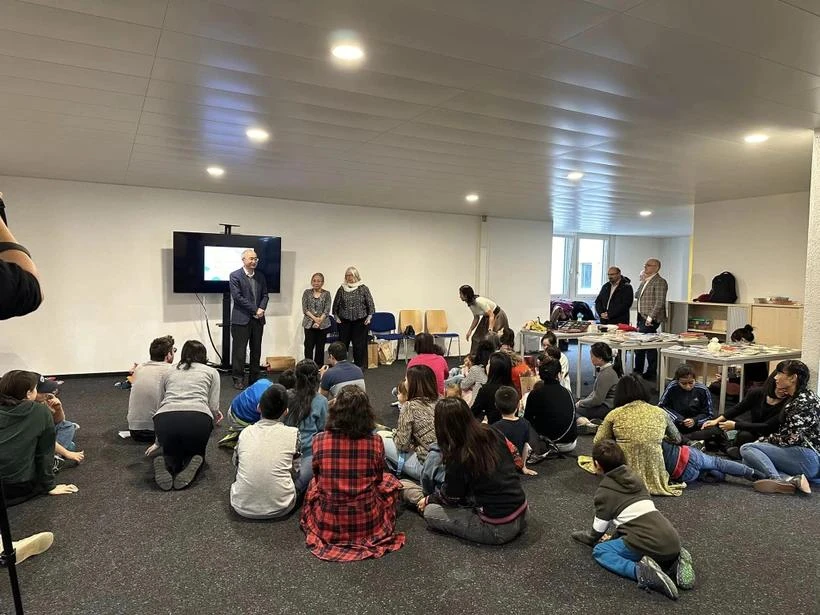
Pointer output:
x,y
515,429
244,411
646,547
686,464
688,402
65,450
266,461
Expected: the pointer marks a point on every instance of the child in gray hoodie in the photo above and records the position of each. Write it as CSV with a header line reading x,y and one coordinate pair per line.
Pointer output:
x,y
646,547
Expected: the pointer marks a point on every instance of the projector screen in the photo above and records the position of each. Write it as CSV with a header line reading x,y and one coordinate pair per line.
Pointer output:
x,y
220,261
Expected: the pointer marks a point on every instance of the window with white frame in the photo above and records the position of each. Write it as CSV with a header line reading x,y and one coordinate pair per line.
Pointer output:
x,y
579,264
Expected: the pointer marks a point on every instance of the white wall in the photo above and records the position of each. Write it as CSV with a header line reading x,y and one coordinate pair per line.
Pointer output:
x,y
761,240
519,253
630,253
673,253
104,253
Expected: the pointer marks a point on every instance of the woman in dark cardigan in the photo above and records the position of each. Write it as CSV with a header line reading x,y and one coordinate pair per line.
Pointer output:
x,y
353,307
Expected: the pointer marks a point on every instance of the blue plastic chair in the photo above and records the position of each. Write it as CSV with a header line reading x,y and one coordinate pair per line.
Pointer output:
x,y
383,327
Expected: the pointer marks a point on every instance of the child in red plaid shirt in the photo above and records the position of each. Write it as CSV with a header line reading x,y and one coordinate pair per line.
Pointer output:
x,y
350,506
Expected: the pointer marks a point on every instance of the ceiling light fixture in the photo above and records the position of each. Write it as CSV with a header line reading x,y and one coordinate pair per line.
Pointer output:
x,y
471,198
645,213
575,176
257,135
348,52
215,171
756,138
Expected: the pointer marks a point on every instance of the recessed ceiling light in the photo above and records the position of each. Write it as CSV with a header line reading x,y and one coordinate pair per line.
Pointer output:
x,y
471,198
215,171
257,135
756,138
645,213
348,52
575,176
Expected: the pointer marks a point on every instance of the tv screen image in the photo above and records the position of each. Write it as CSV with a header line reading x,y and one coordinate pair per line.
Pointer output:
x,y
220,261
203,262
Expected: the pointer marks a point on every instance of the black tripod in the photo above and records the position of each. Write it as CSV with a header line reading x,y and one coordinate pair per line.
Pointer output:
x,y
8,557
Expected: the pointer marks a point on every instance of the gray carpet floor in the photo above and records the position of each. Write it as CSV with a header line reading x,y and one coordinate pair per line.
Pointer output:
x,y
124,546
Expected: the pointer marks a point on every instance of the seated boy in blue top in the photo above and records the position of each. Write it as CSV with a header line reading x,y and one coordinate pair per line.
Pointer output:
x,y
515,429
688,402
646,547
244,408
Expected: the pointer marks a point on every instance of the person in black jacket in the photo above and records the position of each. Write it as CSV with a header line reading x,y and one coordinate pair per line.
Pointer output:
x,y
615,299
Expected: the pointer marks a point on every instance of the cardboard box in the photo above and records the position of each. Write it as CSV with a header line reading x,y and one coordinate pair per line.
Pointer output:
x,y
372,356
280,364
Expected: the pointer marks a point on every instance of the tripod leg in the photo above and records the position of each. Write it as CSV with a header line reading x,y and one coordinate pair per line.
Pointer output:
x,y
8,556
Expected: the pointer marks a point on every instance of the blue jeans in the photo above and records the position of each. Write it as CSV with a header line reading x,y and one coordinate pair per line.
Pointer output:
x,y
64,434
411,467
770,460
616,557
302,480
700,462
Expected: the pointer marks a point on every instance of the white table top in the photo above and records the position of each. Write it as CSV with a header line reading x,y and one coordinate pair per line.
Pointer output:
x,y
766,354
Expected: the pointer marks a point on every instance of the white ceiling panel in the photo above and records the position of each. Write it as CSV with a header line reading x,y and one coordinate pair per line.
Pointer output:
x,y
650,99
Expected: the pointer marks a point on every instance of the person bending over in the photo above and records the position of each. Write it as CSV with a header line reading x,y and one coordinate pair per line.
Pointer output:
x,y
308,413
26,440
350,507
146,388
244,411
481,499
266,461
185,418
688,402
646,547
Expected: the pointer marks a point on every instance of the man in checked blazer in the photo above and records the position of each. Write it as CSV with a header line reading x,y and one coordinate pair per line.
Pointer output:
x,y
651,296
249,292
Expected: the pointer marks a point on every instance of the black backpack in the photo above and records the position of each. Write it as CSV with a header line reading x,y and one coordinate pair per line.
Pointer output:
x,y
724,288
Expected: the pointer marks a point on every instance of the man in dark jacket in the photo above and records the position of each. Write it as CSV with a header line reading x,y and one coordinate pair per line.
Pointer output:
x,y
615,299
249,292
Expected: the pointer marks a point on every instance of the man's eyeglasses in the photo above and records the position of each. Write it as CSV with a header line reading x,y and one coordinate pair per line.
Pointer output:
x,y
174,350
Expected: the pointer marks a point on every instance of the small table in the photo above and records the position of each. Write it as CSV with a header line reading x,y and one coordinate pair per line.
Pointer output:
x,y
633,343
701,355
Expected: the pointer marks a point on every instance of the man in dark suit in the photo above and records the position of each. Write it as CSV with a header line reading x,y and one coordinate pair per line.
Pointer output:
x,y
651,298
249,292
615,299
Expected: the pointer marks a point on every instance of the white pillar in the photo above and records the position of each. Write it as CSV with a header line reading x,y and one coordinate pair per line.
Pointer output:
x,y
811,310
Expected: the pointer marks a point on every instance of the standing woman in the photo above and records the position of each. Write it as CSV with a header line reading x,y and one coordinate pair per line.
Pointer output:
x,y
487,316
353,307
186,417
316,308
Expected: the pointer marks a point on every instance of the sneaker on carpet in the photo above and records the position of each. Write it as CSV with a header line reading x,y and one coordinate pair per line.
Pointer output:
x,y
230,439
162,476
59,463
682,570
698,444
733,452
186,476
587,429
33,545
651,577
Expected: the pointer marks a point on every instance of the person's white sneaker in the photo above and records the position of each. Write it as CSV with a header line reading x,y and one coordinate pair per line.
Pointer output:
x,y
33,545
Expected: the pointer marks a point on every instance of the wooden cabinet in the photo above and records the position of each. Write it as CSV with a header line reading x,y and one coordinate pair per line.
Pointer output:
x,y
779,325
725,317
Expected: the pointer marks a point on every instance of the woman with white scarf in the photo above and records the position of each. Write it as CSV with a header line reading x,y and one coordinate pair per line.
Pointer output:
x,y
353,307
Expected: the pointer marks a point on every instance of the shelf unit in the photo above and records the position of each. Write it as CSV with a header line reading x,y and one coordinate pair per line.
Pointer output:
x,y
727,317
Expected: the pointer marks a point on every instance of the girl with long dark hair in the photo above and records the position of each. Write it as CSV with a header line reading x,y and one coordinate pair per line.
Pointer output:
x,y
499,374
308,412
790,457
186,417
481,498
406,451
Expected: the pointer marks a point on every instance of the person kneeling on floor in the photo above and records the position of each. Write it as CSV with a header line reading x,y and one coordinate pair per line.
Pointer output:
x,y
186,417
266,461
481,499
646,547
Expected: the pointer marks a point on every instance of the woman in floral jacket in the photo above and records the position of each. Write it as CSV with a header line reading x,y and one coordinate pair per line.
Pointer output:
x,y
789,456
350,507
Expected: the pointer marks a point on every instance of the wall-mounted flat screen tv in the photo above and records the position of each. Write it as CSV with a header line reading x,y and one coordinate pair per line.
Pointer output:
x,y
203,261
